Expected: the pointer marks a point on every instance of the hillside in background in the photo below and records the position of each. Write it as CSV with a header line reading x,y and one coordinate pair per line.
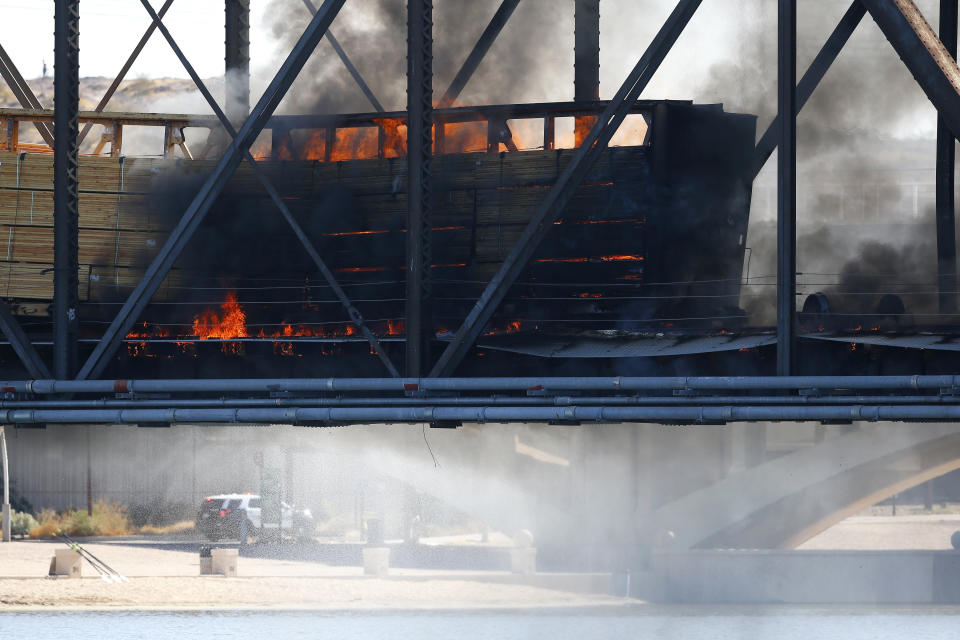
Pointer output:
x,y
145,95
133,95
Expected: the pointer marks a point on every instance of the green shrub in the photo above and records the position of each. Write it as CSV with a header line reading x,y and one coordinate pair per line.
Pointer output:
x,y
21,523
79,523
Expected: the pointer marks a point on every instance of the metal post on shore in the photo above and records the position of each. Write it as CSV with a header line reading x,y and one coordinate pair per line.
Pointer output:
x,y
6,485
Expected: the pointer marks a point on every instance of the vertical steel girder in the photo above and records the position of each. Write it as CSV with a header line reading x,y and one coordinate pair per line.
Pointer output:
x,y
112,89
345,59
787,188
587,51
22,92
210,191
479,52
557,198
586,78
277,199
811,79
419,325
237,59
946,161
928,60
66,217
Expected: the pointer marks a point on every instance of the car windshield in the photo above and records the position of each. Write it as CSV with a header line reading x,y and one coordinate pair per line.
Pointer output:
x,y
234,503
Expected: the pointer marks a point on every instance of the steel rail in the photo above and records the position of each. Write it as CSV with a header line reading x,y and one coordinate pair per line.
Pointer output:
x,y
472,401
354,314
477,113
822,384
210,191
479,414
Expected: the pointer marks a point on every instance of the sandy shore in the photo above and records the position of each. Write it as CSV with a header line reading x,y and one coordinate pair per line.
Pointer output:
x,y
169,577
877,533
162,578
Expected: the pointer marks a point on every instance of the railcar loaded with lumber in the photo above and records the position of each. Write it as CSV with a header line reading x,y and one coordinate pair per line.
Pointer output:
x,y
655,235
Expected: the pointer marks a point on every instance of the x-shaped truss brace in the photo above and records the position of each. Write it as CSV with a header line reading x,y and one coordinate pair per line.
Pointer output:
x,y
275,196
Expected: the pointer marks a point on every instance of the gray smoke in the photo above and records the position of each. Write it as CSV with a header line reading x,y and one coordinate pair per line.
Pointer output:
x,y
866,161
527,62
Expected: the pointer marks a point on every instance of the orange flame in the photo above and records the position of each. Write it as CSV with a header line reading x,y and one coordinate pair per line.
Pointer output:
x,y
582,127
210,325
394,142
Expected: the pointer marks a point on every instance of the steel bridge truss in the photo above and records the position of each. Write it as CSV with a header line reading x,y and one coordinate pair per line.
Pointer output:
x,y
428,393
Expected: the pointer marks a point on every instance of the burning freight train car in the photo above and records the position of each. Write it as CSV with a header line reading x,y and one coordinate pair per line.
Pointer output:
x,y
653,240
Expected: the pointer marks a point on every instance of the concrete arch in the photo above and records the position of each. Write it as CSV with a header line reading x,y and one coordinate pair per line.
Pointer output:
x,y
786,501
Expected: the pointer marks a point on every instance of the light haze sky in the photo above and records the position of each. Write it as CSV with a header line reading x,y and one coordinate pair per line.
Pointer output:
x,y
736,34
111,28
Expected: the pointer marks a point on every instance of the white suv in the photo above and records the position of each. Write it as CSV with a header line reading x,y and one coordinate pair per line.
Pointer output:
x,y
237,515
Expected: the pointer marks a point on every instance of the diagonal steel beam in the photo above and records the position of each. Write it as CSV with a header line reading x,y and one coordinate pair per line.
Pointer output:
x,y
923,53
556,200
21,344
22,92
811,79
112,89
946,164
210,191
358,78
472,63
328,275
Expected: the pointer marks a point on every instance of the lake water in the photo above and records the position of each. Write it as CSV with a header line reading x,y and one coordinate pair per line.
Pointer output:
x,y
629,623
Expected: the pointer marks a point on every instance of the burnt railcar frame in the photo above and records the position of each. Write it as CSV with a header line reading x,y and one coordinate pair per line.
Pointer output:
x,y
213,186
277,199
923,56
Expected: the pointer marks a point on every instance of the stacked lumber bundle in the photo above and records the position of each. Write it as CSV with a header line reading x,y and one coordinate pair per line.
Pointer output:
x,y
481,204
117,236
